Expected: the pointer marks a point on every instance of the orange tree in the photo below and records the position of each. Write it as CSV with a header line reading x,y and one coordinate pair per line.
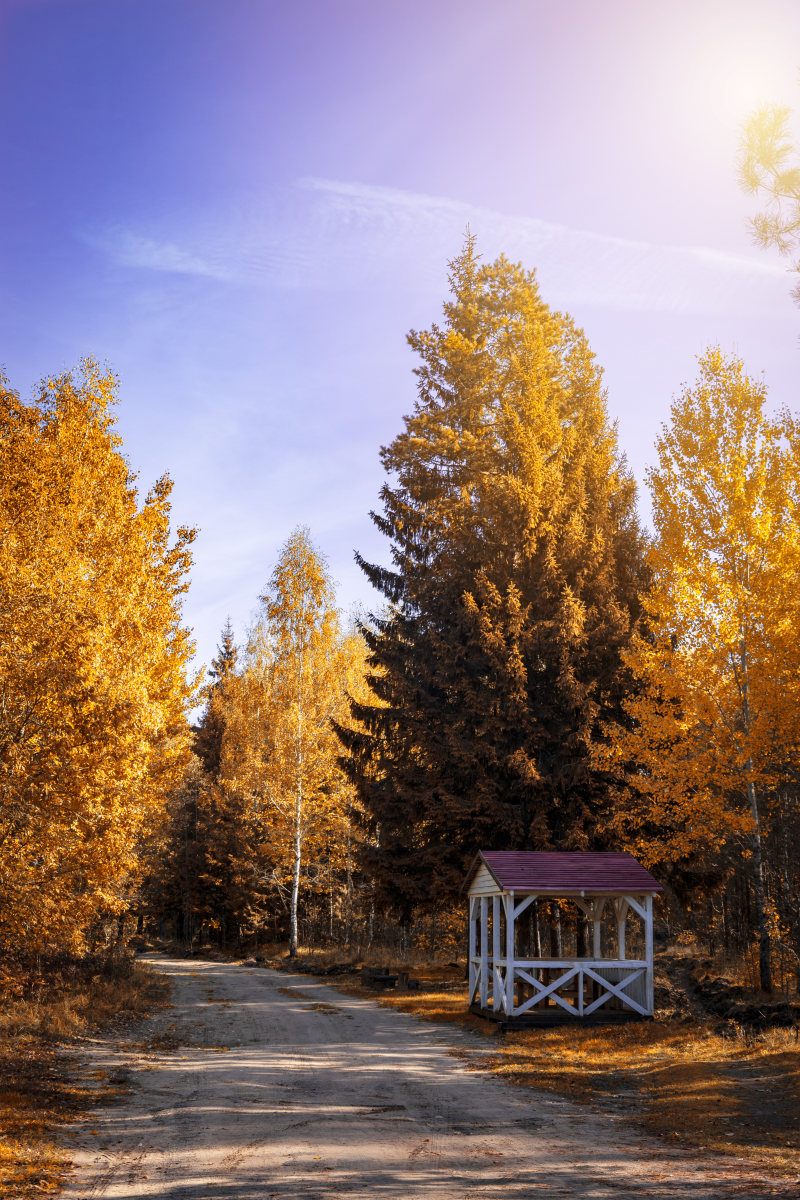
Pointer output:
x,y
93,688
715,720
280,750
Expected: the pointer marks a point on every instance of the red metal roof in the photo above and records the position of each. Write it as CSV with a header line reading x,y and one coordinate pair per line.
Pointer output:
x,y
567,871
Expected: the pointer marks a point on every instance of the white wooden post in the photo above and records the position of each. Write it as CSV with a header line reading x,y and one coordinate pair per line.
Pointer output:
x,y
510,954
495,951
648,954
473,908
484,952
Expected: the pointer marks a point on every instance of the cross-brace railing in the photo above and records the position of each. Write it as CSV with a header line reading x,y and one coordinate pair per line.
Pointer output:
x,y
577,974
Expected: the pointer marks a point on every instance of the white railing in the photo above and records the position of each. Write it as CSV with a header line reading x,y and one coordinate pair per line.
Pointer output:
x,y
621,979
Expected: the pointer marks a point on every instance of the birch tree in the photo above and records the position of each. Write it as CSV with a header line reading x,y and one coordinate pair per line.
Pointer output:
x,y
716,715
280,748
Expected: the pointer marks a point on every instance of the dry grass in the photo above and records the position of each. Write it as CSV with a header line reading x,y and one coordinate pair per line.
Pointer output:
x,y
734,1095
678,1079
41,1011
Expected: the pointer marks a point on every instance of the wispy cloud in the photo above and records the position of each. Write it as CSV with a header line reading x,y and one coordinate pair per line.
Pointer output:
x,y
579,264
129,249
331,235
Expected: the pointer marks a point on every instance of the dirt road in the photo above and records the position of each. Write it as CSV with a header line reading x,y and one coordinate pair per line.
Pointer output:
x,y
291,1091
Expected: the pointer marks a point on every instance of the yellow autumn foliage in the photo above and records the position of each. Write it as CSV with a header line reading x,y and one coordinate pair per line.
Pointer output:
x,y
716,665
280,750
714,718
93,689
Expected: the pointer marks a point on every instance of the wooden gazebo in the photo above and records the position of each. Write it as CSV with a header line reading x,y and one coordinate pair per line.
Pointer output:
x,y
569,955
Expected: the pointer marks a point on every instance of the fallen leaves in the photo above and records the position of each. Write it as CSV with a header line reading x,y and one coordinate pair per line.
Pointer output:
x,y
39,1089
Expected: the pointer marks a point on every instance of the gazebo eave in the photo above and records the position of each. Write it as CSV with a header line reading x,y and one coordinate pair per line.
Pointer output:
x,y
564,894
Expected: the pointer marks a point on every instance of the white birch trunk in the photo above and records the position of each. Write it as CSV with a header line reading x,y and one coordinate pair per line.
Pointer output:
x,y
298,847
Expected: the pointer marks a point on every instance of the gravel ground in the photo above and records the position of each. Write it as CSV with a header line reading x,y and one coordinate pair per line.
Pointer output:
x,y
258,1085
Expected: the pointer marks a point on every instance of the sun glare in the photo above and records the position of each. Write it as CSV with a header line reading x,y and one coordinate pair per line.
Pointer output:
x,y
737,76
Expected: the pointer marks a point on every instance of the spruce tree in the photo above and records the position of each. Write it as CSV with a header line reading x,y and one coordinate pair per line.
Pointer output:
x,y
209,733
516,569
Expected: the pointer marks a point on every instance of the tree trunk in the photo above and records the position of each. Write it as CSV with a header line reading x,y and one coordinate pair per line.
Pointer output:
x,y
349,897
330,899
759,891
121,922
764,973
298,808
582,938
557,940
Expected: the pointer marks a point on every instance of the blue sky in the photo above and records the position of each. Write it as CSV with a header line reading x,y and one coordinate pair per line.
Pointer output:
x,y
243,206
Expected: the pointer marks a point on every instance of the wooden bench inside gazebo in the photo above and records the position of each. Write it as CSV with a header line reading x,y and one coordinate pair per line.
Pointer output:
x,y
560,935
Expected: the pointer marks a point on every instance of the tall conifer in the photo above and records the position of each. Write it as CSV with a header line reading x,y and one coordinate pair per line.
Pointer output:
x,y
516,567
211,729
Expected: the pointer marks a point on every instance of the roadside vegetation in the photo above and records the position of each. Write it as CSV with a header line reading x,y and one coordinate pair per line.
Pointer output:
x,y
733,1093
45,1012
